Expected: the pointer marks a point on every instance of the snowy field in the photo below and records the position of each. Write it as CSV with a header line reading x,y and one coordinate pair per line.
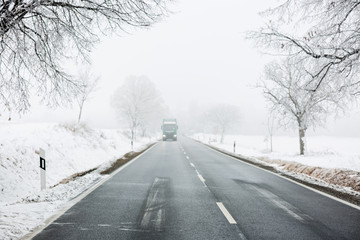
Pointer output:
x,y
69,149
332,160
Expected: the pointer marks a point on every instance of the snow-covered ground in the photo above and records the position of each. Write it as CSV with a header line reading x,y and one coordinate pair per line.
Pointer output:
x,y
332,160
69,149
72,149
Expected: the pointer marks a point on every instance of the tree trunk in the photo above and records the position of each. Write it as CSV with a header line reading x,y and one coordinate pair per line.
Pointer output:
x,y
222,135
301,140
80,112
143,132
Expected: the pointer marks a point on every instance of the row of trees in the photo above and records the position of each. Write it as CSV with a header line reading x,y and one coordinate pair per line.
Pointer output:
x,y
317,73
139,106
219,119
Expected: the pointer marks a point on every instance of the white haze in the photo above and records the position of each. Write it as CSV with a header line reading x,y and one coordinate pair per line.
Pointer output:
x,y
197,56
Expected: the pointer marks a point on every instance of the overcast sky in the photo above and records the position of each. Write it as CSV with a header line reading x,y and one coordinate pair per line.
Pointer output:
x,y
198,55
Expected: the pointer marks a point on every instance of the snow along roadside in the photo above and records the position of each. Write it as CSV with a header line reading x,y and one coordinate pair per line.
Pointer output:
x,y
107,171
70,149
26,218
347,181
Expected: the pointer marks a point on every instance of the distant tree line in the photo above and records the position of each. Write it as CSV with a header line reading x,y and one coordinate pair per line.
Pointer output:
x,y
216,118
139,106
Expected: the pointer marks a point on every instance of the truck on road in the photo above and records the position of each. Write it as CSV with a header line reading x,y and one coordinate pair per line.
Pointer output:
x,y
169,129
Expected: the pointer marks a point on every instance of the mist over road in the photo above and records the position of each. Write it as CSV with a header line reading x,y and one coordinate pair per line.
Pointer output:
x,y
184,190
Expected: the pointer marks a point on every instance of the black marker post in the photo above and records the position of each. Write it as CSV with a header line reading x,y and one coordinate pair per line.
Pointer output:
x,y
42,169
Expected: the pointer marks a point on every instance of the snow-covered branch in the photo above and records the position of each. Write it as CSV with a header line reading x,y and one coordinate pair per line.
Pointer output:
x,y
323,32
37,35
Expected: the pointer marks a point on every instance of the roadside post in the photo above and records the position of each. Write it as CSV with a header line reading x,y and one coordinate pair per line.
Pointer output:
x,y
42,169
234,146
132,145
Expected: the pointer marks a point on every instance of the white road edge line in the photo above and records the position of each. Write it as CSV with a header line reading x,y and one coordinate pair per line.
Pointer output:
x,y
79,198
226,213
191,164
288,179
187,157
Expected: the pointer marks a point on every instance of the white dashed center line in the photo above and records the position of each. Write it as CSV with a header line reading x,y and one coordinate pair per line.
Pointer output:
x,y
226,213
201,178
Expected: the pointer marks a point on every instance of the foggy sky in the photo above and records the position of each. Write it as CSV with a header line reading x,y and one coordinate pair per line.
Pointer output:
x,y
198,55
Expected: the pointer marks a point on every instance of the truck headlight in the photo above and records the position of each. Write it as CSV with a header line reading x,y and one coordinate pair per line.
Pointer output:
x,y
174,135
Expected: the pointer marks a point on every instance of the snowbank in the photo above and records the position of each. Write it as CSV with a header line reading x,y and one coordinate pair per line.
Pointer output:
x,y
69,149
333,160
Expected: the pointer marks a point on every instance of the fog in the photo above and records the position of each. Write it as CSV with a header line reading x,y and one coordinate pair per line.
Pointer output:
x,y
197,56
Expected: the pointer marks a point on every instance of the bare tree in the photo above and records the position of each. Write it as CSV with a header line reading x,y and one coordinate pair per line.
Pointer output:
x,y
88,82
285,88
139,104
223,116
37,35
323,32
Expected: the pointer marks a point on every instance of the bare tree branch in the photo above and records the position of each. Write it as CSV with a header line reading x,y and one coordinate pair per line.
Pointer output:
x,y
36,36
323,33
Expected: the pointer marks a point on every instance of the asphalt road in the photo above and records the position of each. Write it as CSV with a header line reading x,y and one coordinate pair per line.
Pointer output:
x,y
184,190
